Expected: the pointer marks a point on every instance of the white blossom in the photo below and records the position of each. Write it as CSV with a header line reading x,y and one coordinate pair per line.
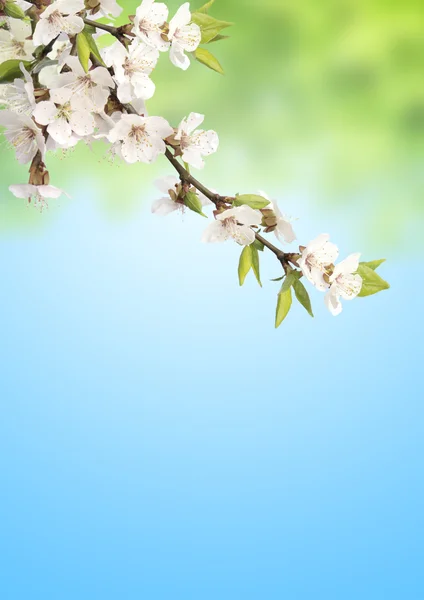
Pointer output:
x,y
93,87
171,187
195,144
142,137
184,37
23,134
14,43
37,194
234,223
59,17
19,95
283,230
132,68
65,115
344,282
149,18
316,257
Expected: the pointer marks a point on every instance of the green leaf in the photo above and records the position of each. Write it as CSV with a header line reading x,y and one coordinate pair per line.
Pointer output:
x,y
209,26
205,7
255,263
10,70
11,9
208,59
302,295
93,46
284,303
288,282
245,263
372,283
251,200
192,201
83,50
374,264
278,278
258,245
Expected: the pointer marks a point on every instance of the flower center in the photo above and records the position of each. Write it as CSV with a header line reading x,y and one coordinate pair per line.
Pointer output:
x,y
348,285
138,134
147,26
64,111
313,262
232,227
18,48
24,137
185,141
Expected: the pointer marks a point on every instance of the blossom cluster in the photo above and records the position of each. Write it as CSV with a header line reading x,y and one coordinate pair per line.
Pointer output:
x,y
58,88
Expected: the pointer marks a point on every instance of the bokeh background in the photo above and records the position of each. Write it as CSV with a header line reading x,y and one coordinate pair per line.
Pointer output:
x,y
158,438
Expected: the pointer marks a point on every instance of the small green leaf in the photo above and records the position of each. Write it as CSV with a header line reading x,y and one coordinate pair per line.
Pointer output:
x,y
289,280
284,303
302,296
11,9
374,264
372,283
192,201
245,263
278,278
255,263
208,59
209,26
258,245
252,200
83,50
10,70
93,46
205,7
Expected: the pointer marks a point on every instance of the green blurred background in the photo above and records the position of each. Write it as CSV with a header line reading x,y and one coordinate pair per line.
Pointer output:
x,y
323,100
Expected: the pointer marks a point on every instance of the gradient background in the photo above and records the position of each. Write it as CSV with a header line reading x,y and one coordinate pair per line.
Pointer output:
x,y
158,438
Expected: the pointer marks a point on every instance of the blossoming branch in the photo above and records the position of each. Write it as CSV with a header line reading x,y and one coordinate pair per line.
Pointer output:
x,y
58,88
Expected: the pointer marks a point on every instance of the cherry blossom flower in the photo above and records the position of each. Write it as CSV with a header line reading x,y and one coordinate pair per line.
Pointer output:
x,y
150,17
234,223
171,187
281,225
93,88
23,134
184,37
14,43
344,282
19,95
316,257
37,194
61,16
132,69
65,115
195,144
142,137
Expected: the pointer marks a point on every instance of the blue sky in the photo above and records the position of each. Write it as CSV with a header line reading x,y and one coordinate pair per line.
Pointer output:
x,y
159,439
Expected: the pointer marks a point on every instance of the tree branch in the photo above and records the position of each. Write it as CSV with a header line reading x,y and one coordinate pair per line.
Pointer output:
x,y
109,28
283,257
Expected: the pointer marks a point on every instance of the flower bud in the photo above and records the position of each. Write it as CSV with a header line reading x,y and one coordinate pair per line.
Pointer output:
x,y
269,219
93,6
38,174
11,9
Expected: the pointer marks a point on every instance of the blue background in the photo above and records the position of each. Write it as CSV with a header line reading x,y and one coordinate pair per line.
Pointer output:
x,y
159,439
